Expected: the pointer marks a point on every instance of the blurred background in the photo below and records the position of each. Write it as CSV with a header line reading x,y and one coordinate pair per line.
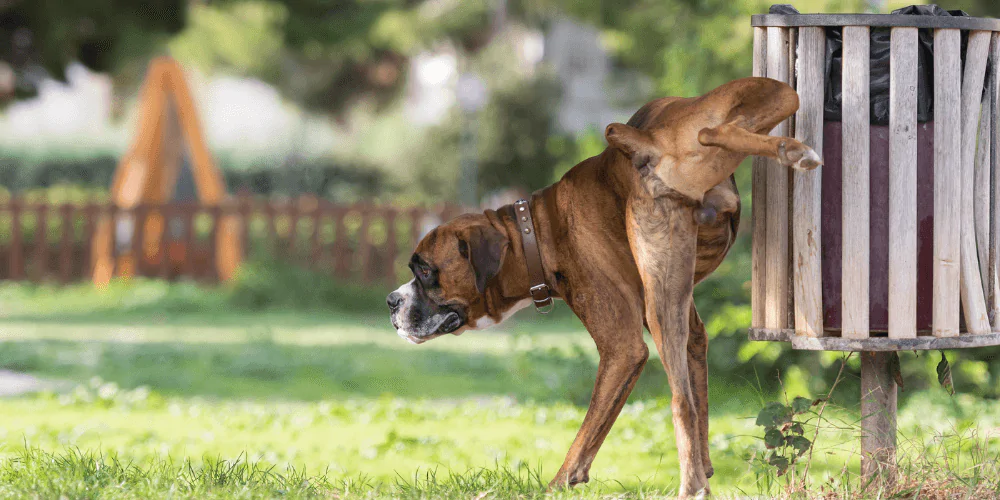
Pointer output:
x,y
343,130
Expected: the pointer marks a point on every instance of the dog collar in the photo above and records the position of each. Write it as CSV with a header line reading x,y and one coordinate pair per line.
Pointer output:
x,y
532,257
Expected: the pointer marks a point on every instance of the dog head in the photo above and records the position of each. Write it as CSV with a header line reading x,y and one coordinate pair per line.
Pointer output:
x,y
453,267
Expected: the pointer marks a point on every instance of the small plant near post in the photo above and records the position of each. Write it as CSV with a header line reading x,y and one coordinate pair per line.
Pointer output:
x,y
784,436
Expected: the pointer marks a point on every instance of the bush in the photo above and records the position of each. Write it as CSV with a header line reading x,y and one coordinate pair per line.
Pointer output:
x,y
273,284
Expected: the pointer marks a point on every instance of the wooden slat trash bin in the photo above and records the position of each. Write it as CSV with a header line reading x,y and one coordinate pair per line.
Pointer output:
x,y
912,210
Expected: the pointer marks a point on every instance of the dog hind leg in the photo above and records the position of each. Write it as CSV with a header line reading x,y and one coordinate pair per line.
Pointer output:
x,y
697,349
733,137
663,238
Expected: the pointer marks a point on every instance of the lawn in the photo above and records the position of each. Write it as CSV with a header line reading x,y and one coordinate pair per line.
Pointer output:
x,y
137,402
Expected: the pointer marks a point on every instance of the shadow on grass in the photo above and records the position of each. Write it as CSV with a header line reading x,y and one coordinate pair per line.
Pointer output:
x,y
265,370
246,304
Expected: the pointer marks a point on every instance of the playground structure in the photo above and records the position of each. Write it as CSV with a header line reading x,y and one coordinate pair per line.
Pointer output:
x,y
168,162
881,248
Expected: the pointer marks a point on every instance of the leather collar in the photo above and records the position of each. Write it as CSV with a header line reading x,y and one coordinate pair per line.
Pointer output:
x,y
539,290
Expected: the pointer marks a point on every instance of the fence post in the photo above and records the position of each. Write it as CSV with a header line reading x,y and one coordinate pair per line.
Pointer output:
x,y
41,267
215,214
317,226
187,268
341,261
66,245
246,212
90,214
390,246
164,261
293,228
16,241
138,236
878,419
365,244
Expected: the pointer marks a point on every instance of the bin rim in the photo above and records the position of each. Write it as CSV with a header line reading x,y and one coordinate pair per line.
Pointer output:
x,y
876,21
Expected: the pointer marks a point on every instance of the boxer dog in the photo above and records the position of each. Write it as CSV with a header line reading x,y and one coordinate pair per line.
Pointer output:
x,y
622,238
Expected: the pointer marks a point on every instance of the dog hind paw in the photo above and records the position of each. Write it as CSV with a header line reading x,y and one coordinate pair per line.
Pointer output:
x,y
798,156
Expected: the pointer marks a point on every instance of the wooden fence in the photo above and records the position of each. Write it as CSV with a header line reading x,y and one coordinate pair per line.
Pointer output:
x,y
359,243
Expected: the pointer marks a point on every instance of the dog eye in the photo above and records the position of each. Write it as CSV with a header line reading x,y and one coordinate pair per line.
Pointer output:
x,y
425,272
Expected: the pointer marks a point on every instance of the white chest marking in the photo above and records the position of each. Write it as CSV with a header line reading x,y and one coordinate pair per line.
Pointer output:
x,y
487,322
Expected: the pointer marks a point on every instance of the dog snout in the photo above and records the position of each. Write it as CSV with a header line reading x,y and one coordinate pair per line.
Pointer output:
x,y
394,300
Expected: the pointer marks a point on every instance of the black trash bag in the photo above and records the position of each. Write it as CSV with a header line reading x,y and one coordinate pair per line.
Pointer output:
x,y
879,65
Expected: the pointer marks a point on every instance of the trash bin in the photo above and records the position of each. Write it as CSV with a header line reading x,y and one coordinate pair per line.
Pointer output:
x,y
879,84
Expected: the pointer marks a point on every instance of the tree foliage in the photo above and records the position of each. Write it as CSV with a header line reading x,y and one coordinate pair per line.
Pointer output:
x,y
335,53
39,38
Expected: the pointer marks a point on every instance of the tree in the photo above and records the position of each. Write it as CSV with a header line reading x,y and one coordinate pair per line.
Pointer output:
x,y
39,38
334,53
980,8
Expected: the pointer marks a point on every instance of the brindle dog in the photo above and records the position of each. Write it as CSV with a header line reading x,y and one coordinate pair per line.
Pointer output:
x,y
623,236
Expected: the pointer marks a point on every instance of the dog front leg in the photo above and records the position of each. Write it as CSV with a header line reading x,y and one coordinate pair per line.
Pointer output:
x,y
732,136
623,355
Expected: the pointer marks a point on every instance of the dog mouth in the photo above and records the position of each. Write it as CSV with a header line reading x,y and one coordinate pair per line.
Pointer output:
x,y
441,324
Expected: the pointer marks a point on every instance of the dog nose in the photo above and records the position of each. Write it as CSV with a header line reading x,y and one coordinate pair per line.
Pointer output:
x,y
394,299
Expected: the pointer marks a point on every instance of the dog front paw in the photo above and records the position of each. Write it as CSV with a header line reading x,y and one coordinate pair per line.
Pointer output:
x,y
564,480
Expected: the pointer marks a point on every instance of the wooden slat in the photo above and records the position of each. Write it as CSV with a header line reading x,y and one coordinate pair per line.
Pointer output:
x,y
856,173
245,208
920,343
16,241
758,200
366,250
982,184
416,218
390,247
790,268
272,229
112,213
215,214
41,257
188,213
90,215
66,244
315,252
947,184
993,116
167,212
138,233
341,249
293,229
981,191
776,240
807,191
973,296
903,184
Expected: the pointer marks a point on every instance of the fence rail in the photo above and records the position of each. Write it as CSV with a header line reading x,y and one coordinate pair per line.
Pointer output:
x,y
361,243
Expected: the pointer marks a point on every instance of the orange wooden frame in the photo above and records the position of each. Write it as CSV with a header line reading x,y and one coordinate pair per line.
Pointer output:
x,y
147,175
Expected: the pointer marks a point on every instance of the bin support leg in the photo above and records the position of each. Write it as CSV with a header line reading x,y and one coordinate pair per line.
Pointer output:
x,y
878,424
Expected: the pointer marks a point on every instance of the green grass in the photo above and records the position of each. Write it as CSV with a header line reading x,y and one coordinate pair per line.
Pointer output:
x,y
211,400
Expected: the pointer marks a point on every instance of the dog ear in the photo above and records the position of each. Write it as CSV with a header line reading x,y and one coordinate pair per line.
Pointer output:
x,y
486,249
637,145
